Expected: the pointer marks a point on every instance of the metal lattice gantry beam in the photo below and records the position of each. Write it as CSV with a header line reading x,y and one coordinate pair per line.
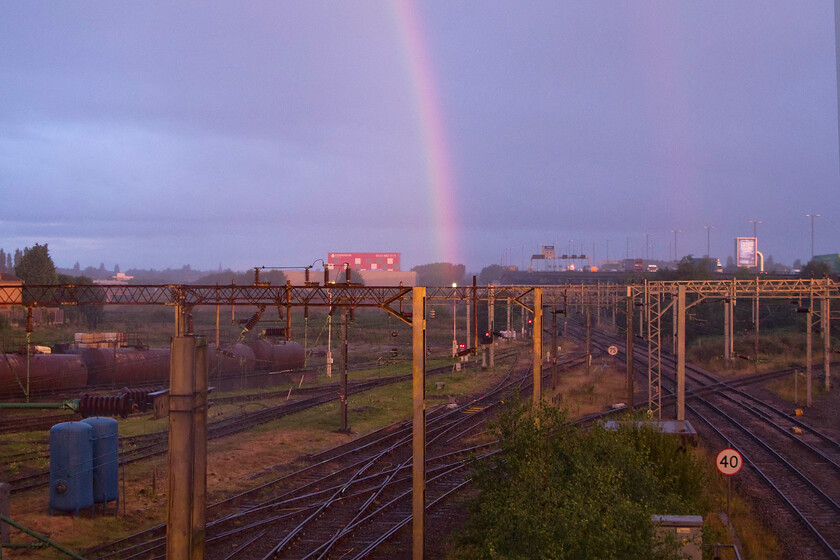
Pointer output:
x,y
395,300
806,291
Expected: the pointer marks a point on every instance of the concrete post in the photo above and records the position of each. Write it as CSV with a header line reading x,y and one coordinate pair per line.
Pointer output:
x,y
199,510
181,448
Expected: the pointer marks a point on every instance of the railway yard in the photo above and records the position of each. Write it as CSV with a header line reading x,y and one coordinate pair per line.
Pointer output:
x,y
285,480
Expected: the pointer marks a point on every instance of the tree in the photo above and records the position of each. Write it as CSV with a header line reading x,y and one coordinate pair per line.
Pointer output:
x,y
35,266
690,268
2,260
769,264
556,491
439,274
490,274
275,277
815,269
91,314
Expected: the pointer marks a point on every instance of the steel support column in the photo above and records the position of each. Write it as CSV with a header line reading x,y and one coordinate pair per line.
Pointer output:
x,y
809,347
756,321
475,314
826,332
538,316
628,350
491,321
674,322
680,305
727,329
418,391
342,397
553,352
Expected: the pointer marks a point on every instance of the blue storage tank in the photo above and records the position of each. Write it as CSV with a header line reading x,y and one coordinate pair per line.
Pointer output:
x,y
106,460
71,466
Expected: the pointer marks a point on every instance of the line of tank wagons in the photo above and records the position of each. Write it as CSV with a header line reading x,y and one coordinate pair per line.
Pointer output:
x,y
102,368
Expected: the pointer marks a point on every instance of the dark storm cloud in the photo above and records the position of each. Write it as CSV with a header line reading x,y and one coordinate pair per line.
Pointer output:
x,y
153,134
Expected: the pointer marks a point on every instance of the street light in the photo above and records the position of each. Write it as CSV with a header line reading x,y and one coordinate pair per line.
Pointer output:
x,y
708,240
755,226
454,322
812,216
675,232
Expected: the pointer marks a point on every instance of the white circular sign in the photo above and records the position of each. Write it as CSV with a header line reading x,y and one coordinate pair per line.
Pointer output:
x,y
729,461
612,350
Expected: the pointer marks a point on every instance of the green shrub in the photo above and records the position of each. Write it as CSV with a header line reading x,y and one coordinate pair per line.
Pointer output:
x,y
556,491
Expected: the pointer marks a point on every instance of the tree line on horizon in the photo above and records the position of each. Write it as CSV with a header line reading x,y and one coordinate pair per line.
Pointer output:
x,y
35,266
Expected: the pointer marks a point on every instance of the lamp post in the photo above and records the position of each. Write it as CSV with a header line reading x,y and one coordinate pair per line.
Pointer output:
x,y
755,226
708,240
454,322
812,216
675,232
647,246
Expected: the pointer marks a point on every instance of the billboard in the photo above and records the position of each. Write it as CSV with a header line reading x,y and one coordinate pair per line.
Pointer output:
x,y
746,251
548,251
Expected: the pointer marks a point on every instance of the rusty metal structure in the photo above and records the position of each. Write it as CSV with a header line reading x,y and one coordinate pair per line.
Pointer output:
x,y
189,363
812,297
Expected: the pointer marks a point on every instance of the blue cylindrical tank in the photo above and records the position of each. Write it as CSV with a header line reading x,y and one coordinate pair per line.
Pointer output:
x,y
71,466
106,459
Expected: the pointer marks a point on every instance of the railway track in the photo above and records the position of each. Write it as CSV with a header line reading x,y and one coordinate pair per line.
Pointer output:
x,y
140,447
349,501
796,465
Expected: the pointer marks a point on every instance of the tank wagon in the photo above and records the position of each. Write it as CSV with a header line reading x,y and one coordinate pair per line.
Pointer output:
x,y
47,372
237,360
124,366
121,367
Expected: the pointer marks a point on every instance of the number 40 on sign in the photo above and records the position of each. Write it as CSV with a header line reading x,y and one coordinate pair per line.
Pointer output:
x,y
729,461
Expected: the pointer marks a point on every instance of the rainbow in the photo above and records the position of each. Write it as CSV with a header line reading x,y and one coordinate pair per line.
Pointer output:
x,y
440,175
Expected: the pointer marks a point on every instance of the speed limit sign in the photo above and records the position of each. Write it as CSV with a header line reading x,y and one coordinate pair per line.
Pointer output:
x,y
612,350
729,461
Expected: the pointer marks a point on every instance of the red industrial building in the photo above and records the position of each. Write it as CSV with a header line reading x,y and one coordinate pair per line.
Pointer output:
x,y
365,261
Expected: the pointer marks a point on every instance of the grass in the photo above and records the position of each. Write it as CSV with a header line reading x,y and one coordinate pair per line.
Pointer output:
x,y
793,388
747,532
284,440
777,350
241,462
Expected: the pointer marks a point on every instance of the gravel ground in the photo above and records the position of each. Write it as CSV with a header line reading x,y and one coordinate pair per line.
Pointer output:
x,y
794,540
824,415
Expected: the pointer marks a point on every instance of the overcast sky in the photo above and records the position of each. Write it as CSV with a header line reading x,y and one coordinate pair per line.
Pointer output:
x,y
265,133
